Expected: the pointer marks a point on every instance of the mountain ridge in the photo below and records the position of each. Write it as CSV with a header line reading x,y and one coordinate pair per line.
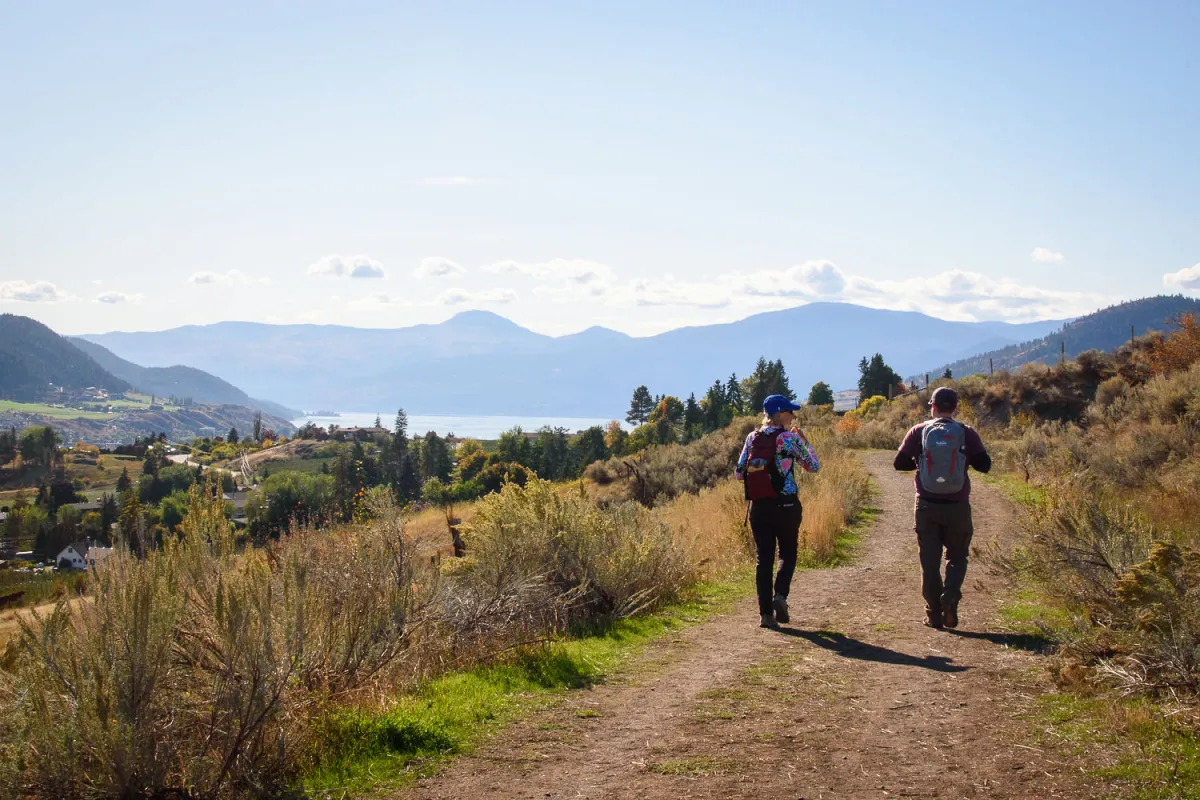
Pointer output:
x,y
1105,329
484,363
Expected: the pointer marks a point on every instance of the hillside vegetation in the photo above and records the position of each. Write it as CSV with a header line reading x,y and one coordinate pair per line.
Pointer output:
x,y
1104,330
32,357
257,665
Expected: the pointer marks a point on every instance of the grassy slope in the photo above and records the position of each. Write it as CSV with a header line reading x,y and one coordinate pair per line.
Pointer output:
x,y
1147,750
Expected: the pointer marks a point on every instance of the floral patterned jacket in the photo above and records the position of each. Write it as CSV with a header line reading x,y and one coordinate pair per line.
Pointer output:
x,y
790,449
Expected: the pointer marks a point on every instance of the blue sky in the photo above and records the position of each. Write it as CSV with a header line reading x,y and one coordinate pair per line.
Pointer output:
x,y
639,166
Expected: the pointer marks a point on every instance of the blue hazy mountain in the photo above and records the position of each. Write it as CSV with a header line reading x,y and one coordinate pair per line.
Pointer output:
x,y
177,381
481,363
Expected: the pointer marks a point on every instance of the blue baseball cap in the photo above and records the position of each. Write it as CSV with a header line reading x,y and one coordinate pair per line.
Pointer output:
x,y
777,402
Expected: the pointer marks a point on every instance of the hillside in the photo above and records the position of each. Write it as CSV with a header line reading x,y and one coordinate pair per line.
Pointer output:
x,y
481,363
32,357
179,381
1104,330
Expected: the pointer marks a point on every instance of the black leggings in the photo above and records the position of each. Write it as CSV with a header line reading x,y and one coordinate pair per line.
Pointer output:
x,y
774,524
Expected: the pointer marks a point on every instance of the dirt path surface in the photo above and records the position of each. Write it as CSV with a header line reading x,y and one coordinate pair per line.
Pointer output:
x,y
855,698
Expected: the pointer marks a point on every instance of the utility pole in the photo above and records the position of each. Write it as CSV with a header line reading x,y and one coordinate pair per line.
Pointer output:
x,y
1063,356
1131,337
990,368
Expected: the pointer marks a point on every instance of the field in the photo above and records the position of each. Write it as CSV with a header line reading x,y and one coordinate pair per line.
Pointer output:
x,y
53,412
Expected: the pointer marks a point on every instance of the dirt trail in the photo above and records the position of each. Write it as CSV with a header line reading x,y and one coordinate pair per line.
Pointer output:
x,y
855,698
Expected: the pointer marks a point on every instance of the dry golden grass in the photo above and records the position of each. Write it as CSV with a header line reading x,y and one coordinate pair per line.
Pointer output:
x,y
711,526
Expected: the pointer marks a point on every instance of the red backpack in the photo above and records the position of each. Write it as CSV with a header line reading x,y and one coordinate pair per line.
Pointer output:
x,y
762,478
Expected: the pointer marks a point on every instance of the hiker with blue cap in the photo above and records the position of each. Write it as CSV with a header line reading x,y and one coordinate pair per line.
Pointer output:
x,y
939,450
766,469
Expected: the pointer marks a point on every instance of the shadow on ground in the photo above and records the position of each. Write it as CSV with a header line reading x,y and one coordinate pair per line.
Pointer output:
x,y
1032,642
848,647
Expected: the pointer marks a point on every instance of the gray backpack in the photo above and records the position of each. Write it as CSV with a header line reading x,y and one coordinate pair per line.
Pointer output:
x,y
942,464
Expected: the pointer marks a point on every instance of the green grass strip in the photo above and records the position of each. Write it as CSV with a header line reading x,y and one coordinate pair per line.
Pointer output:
x,y
448,715
363,751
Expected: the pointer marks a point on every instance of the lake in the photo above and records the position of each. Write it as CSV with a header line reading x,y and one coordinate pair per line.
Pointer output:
x,y
474,427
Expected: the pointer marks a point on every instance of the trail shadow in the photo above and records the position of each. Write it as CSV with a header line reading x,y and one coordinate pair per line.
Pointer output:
x,y
847,647
1031,642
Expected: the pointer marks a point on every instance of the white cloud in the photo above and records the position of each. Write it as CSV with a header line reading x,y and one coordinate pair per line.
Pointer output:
x,y
452,180
438,267
377,301
231,278
40,292
1045,254
567,270
116,298
1185,280
337,266
458,297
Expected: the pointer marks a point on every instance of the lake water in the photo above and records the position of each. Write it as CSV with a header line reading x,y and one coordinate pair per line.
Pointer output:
x,y
474,427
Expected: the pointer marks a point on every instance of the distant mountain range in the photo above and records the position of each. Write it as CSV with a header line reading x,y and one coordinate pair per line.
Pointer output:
x,y
481,363
32,357
1106,329
179,381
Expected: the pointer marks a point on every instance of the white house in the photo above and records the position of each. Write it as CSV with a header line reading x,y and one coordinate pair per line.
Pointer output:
x,y
82,555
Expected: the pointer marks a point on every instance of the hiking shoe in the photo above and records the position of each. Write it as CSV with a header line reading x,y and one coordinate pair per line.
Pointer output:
x,y
930,622
768,621
781,609
950,615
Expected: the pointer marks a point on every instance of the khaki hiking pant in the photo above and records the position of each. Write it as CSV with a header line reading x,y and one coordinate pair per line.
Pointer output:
x,y
943,527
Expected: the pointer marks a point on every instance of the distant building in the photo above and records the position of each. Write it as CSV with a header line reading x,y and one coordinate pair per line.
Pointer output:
x,y
361,434
206,433
82,555
845,400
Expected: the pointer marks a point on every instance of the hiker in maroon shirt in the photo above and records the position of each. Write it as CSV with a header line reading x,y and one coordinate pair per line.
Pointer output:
x,y
940,451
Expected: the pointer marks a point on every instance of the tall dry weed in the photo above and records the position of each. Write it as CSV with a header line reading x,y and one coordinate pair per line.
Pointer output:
x,y
195,671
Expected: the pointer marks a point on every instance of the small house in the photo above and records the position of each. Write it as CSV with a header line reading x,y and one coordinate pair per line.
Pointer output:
x,y
82,555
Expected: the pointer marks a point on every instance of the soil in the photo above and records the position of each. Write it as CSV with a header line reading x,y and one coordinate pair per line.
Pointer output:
x,y
855,698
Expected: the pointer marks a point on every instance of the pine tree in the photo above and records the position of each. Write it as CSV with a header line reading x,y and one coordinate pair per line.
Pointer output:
x,y
733,395
124,482
232,437
640,406
876,377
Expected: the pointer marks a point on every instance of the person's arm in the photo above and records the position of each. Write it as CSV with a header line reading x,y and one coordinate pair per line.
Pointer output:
x,y
801,451
977,454
739,472
910,448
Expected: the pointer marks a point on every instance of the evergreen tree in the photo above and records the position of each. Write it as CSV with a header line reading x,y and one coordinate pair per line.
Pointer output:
x,y
551,454
378,422
232,437
435,458
640,406
820,394
768,378
715,410
875,377
588,447
948,375
734,398
124,482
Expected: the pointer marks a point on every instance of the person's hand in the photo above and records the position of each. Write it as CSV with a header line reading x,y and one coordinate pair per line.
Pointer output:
x,y
796,430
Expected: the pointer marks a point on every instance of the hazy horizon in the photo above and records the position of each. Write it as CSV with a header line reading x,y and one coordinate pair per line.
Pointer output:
x,y
631,166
